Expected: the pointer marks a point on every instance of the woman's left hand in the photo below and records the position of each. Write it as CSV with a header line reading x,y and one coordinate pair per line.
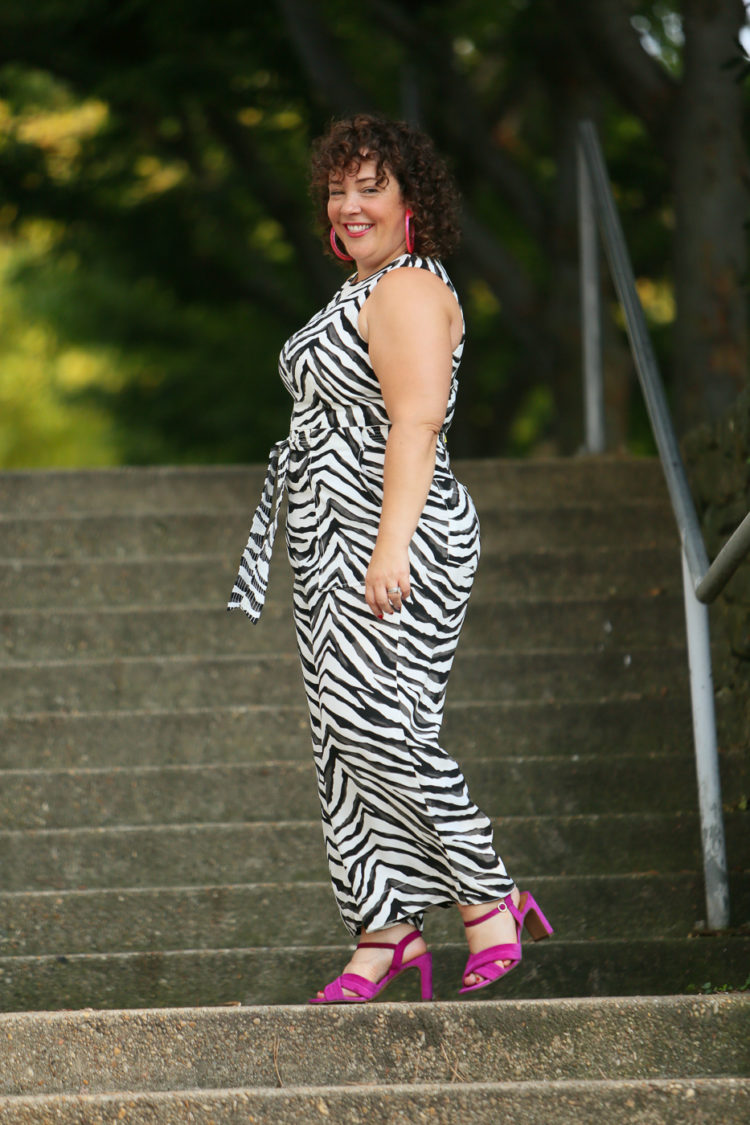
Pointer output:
x,y
388,570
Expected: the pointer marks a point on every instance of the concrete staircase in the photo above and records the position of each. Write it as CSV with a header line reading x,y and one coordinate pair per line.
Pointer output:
x,y
159,841
661,1061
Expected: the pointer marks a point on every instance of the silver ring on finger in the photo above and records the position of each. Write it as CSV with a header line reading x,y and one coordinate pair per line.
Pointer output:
x,y
393,590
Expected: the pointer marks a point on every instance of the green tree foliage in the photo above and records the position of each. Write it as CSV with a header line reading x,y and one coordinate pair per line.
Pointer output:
x,y
156,224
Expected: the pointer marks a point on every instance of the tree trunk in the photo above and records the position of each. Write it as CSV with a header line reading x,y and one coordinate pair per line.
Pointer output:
x,y
711,210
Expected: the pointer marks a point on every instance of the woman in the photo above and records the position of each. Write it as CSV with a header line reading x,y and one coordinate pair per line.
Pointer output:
x,y
384,543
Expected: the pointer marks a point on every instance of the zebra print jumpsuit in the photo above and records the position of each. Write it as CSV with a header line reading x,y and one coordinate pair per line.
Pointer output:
x,y
402,834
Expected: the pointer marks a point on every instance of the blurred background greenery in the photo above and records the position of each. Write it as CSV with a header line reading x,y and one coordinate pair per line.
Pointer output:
x,y
156,236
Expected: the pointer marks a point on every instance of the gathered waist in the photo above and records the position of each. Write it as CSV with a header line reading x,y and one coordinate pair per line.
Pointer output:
x,y
309,426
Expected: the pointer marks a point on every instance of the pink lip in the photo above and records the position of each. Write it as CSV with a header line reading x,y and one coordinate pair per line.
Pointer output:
x,y
357,233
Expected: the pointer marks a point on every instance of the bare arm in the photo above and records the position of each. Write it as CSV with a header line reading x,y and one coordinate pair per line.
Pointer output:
x,y
412,323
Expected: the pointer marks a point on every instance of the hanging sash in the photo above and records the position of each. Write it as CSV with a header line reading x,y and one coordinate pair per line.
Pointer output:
x,y
251,583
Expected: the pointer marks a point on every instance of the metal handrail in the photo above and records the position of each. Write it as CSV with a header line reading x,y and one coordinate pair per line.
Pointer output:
x,y
734,551
701,583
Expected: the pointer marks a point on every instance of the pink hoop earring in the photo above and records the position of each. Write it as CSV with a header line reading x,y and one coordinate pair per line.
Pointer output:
x,y
335,248
409,230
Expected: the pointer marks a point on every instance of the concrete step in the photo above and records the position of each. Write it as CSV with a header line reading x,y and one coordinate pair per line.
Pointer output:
x,y
599,624
224,531
541,786
268,731
174,682
149,490
558,968
159,490
292,851
701,1101
184,581
202,580
383,1043
148,920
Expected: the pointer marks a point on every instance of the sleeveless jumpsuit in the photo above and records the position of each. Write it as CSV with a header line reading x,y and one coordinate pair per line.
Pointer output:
x,y
401,832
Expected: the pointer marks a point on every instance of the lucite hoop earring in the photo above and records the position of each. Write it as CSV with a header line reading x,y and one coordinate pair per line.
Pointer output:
x,y
409,230
335,248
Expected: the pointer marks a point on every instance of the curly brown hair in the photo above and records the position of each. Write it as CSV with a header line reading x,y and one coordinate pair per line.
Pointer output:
x,y
401,151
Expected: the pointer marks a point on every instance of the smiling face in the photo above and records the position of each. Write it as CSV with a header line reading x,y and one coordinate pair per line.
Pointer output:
x,y
368,216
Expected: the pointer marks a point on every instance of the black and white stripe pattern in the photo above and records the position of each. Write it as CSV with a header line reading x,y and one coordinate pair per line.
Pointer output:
x,y
401,831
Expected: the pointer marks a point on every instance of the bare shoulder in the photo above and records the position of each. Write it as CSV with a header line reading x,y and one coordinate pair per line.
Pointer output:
x,y
399,284
410,292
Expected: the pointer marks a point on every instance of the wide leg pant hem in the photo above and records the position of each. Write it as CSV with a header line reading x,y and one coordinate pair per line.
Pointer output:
x,y
402,834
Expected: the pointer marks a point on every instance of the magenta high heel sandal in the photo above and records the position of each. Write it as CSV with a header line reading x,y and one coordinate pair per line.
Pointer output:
x,y
366,990
483,964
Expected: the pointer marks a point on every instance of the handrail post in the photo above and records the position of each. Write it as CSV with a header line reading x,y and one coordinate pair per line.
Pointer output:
x,y
643,354
595,440
706,757
696,575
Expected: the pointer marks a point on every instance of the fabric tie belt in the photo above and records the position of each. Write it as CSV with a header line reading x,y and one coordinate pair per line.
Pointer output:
x,y
251,583
249,590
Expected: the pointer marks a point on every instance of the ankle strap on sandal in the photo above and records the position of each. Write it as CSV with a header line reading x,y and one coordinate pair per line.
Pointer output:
x,y
499,908
398,947
405,941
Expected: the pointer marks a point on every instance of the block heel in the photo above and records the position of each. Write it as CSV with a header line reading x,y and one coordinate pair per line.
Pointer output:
x,y
533,919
